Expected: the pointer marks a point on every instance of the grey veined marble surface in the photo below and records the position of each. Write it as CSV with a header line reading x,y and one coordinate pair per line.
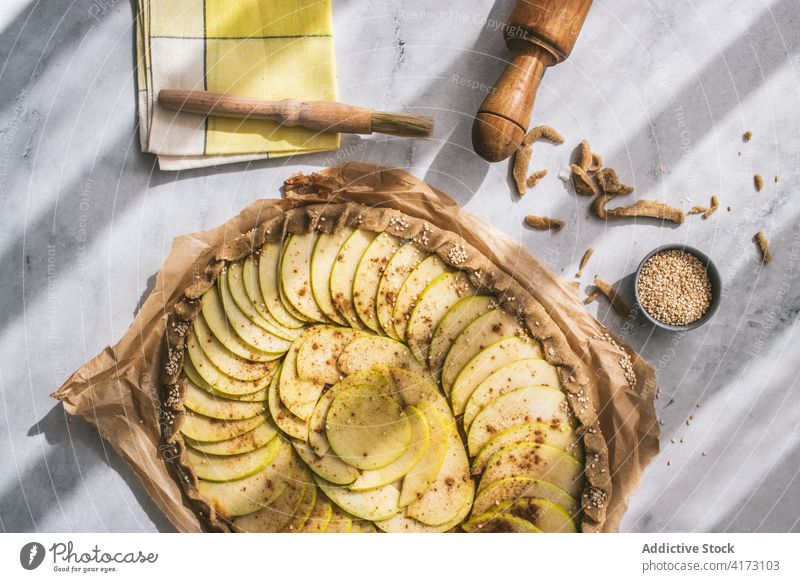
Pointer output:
x,y
664,90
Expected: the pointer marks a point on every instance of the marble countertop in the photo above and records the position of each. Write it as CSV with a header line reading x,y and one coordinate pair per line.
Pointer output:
x,y
663,90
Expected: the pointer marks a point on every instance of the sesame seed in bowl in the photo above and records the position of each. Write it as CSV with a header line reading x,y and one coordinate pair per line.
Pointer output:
x,y
677,287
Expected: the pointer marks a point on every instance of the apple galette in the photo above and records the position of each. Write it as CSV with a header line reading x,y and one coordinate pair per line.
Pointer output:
x,y
351,369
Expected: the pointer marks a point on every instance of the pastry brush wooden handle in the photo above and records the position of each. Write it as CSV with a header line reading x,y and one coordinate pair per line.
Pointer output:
x,y
540,33
323,116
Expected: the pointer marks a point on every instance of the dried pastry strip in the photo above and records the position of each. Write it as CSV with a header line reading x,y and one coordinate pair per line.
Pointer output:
x,y
584,261
522,160
544,222
642,209
763,245
543,132
713,208
616,300
535,178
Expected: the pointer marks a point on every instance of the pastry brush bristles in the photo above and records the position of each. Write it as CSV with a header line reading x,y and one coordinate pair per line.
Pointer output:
x,y
401,124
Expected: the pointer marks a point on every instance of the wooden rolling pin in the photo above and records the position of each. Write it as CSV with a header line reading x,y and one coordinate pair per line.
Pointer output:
x,y
540,33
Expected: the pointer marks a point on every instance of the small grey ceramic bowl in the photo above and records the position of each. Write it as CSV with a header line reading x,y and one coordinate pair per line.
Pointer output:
x,y
713,276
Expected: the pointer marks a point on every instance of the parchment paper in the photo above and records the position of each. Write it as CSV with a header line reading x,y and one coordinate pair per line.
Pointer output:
x,y
118,391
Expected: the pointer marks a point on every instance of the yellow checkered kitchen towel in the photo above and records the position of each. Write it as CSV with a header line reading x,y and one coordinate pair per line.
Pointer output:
x,y
272,49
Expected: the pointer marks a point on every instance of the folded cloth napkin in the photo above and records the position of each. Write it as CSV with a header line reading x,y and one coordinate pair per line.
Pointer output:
x,y
271,49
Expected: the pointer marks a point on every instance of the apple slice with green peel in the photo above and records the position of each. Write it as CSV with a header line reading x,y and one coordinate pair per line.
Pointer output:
x,y
434,301
512,376
270,288
202,402
420,436
252,288
320,516
422,276
486,362
401,523
367,352
343,274
394,275
367,428
328,466
249,441
374,504
233,498
419,479
298,395
529,404
536,461
317,438
296,275
228,362
458,317
277,516
319,351
558,435
214,376
232,467
234,277
541,513
489,328
415,389
304,510
368,275
218,323
452,490
282,291
194,377
499,523
512,488
326,249
340,522
252,334
289,423
211,430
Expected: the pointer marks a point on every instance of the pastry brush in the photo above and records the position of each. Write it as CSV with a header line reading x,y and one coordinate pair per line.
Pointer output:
x,y
322,116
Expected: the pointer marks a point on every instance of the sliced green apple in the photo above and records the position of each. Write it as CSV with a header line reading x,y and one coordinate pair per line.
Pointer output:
x,y
303,513
252,334
214,314
270,288
394,275
512,376
289,423
326,249
422,275
340,522
247,495
320,516
367,428
318,353
536,461
419,479
368,275
224,359
232,467
202,402
367,352
557,435
433,303
374,504
296,275
487,361
451,325
211,430
499,523
482,332
396,470
277,516
415,389
328,465
234,277
541,513
249,441
512,488
252,288
401,523
298,395
194,376
215,377
343,274
524,405
363,526
452,490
